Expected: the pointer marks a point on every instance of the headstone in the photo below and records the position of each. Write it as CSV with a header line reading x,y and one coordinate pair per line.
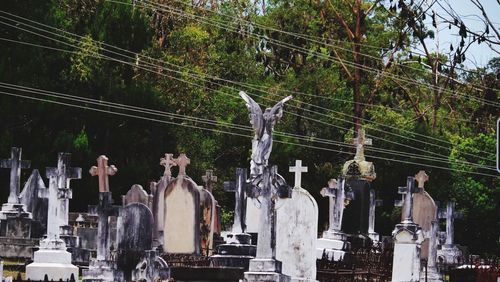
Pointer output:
x,y
358,174
182,213
371,220
450,253
158,191
265,181
52,259
151,268
35,205
296,231
238,251
15,164
431,271
407,241
210,179
137,194
424,210
135,235
207,225
333,245
104,267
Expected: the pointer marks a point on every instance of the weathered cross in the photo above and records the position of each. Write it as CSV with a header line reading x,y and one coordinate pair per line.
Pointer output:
x,y
336,194
238,187
168,162
298,169
450,214
421,177
209,178
182,161
102,170
15,164
105,209
407,199
373,204
59,193
360,141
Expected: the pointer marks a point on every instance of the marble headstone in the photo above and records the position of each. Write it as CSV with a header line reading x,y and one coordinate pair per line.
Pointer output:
x,y
137,194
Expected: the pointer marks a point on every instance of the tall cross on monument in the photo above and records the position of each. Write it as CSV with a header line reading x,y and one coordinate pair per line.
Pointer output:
x,y
360,141
59,193
15,164
102,170
298,169
168,162
421,177
374,202
182,161
238,187
449,214
335,196
407,199
209,178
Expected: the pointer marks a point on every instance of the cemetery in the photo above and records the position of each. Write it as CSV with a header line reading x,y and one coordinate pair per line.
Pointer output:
x,y
250,188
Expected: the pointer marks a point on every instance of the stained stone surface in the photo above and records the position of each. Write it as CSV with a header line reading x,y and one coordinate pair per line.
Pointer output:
x,y
297,228
358,210
137,194
35,205
207,216
182,217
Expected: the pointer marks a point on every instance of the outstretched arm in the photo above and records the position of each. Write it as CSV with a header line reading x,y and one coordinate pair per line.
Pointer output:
x,y
277,110
256,119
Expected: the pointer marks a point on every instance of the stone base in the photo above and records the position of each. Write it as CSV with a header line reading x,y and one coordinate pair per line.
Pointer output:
x,y
432,275
332,249
450,254
375,237
102,271
265,277
234,255
56,264
14,210
18,248
335,235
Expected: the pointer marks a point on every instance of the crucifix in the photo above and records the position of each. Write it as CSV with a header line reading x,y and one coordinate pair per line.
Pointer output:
x,y
240,198
105,209
102,170
209,178
450,214
407,200
298,169
360,141
168,162
421,177
335,192
59,193
182,161
15,164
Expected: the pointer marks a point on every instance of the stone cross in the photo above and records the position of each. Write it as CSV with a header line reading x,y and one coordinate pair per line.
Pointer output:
x,y
182,161
336,194
209,178
360,141
407,199
238,187
102,170
15,164
421,177
298,169
59,193
373,204
168,162
449,214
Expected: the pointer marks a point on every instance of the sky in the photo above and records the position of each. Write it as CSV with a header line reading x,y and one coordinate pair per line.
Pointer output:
x,y
477,55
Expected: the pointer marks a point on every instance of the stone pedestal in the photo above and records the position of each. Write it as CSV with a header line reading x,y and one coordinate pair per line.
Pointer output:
x,y
431,275
407,242
236,253
102,271
450,254
52,260
333,246
268,270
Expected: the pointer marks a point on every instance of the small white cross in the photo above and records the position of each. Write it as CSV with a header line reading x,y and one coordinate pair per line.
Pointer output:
x,y
298,169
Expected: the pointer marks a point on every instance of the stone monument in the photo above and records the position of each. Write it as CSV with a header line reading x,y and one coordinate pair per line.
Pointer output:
x,y
408,238
52,260
450,253
296,231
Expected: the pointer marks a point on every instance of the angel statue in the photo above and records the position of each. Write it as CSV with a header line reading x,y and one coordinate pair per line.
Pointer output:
x,y
263,126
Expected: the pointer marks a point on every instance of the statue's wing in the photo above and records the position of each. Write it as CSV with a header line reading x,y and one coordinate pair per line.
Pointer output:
x,y
277,110
256,119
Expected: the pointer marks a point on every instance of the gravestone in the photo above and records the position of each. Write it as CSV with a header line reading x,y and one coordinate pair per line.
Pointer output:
x,y
52,260
207,224
35,205
266,183
371,220
296,231
151,268
137,194
408,238
210,179
431,271
450,253
238,250
182,213
135,235
104,267
158,191
358,174
333,245
424,211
